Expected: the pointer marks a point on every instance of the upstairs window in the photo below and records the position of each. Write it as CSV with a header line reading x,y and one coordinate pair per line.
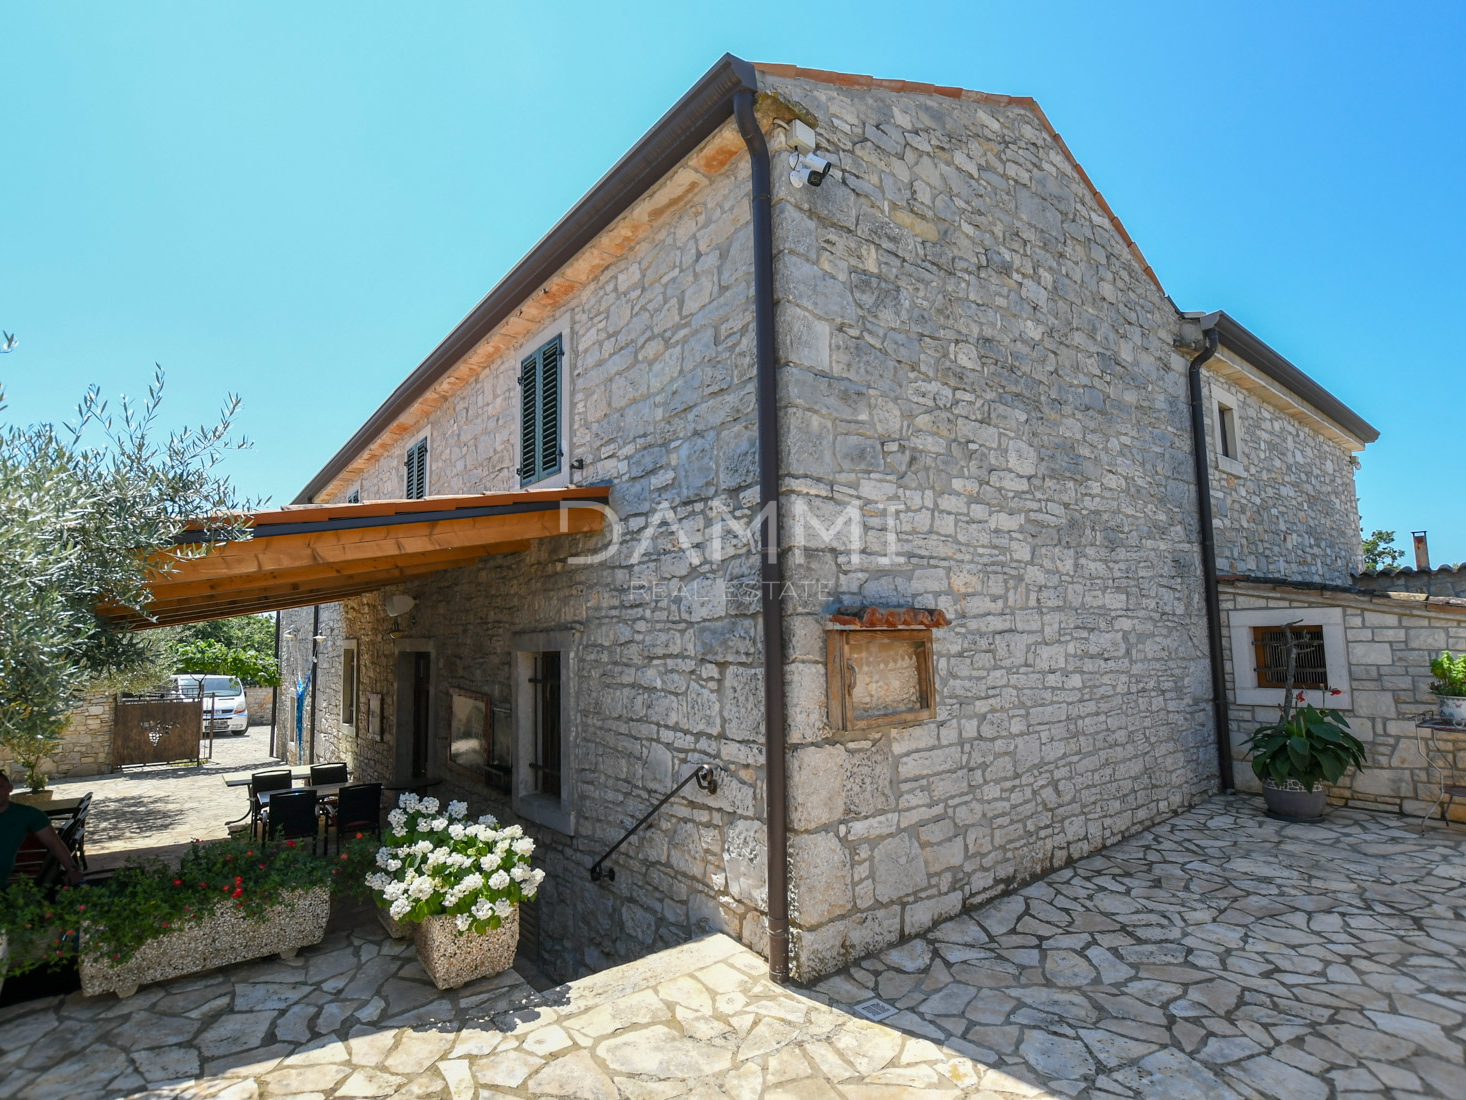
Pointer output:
x,y
416,466
541,414
354,497
1227,431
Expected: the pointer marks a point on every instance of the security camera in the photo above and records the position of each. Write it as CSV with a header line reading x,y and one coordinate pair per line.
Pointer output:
x,y
807,168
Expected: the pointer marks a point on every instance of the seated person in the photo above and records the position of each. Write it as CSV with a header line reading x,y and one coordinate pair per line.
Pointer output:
x,y
18,822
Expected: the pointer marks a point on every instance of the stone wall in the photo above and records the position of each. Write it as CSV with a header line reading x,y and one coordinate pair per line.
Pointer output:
x,y
86,744
1391,642
1444,580
1286,506
261,702
660,355
323,704
966,337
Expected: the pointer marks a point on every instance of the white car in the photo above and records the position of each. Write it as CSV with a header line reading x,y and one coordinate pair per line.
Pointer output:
x,y
225,708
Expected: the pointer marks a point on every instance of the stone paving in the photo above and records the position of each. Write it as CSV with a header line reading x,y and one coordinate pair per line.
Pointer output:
x,y
1219,955
159,809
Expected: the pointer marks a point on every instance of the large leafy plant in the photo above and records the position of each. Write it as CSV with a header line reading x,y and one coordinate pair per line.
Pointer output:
x,y
90,512
441,863
1449,673
1311,745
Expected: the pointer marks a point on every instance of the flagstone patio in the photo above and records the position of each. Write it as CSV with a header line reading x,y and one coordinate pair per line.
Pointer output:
x,y
1219,955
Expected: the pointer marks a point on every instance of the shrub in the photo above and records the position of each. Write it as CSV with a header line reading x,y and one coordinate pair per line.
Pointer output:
x,y
1449,673
1310,745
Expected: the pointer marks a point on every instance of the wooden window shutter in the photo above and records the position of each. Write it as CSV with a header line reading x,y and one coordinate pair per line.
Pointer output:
x,y
416,468
540,413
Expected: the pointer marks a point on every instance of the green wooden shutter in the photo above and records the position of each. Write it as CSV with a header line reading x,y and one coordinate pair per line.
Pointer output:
x,y
540,413
416,469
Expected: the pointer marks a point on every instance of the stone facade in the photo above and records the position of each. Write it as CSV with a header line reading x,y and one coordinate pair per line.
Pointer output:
x,y
1285,507
1390,644
977,369
86,744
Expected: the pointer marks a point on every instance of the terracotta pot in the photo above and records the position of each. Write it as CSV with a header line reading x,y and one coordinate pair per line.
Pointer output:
x,y
1292,802
224,938
452,958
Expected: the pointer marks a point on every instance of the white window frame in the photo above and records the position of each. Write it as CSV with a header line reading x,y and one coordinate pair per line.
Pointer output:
x,y
561,328
348,645
1335,650
554,813
1221,396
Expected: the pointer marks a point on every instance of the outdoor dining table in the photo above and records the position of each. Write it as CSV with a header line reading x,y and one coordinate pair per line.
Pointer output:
x,y
246,780
323,791
51,807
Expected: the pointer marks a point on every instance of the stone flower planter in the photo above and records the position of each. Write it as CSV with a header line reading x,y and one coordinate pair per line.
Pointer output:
x,y
452,958
226,937
1292,803
397,929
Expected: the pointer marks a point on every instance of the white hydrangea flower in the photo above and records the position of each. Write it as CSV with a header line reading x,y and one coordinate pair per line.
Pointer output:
x,y
498,881
423,847
537,876
410,801
471,882
503,907
488,863
384,856
437,824
399,830
429,805
397,817
519,872
490,820
394,890
394,865
514,832
421,887
399,908
456,831
463,920
524,846
457,809
483,908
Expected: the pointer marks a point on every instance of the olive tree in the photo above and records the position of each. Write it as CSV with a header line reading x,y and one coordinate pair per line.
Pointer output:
x,y
90,512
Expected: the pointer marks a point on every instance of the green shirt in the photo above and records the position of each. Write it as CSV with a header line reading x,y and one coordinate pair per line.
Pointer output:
x,y
16,823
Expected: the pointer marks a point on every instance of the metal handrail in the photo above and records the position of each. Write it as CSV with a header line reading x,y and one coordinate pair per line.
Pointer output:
x,y
707,779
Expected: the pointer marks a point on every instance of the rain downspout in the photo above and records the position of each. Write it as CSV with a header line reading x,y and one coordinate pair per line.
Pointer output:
x,y
315,679
771,575
1209,561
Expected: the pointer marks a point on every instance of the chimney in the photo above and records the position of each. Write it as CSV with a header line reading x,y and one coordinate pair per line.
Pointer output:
x,y
1422,551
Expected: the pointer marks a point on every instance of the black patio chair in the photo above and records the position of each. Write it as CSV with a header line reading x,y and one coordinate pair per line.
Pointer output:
x,y
276,779
293,815
358,810
78,845
329,773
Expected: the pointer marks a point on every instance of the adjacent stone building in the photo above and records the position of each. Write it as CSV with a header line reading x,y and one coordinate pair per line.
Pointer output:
x,y
996,650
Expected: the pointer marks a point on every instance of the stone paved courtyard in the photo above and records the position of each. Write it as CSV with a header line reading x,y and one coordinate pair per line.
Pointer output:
x,y
1221,954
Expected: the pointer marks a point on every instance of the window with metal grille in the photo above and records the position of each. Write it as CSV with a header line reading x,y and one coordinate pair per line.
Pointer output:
x,y
541,413
544,685
416,466
1270,646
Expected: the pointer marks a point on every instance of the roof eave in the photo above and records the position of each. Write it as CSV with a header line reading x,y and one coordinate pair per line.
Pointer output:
x,y
705,106
1239,339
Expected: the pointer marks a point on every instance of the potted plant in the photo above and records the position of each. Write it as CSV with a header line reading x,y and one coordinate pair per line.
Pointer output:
x,y
1450,686
230,901
459,883
1298,754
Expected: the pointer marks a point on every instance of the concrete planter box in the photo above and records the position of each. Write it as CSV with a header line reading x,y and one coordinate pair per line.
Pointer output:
x,y
225,938
397,929
452,958
1292,803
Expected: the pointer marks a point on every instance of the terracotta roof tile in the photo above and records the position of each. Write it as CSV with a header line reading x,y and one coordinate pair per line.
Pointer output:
x,y
913,87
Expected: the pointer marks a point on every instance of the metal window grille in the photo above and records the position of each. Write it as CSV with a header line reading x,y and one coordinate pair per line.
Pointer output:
x,y
545,686
354,497
1310,667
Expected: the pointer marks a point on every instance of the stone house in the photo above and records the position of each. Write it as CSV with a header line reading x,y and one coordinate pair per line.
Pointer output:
x,y
970,401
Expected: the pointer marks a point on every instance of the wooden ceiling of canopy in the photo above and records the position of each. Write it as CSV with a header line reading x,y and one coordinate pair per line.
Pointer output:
x,y
322,553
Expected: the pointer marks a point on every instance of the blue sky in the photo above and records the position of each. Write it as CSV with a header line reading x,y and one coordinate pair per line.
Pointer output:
x,y
296,202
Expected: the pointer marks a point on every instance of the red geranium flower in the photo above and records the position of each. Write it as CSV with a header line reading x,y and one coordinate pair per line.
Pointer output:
x,y
179,882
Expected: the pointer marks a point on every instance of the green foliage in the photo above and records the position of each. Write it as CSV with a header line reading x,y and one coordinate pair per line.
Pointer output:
x,y
1449,673
1380,551
84,526
217,658
254,632
1311,745
146,899
440,863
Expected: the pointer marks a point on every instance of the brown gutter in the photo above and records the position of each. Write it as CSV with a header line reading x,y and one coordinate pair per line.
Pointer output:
x,y
705,107
771,573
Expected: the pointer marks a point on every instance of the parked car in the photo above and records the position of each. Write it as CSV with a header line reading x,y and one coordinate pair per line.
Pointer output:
x,y
225,708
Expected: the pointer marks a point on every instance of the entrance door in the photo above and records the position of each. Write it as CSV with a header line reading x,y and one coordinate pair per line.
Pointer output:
x,y
421,695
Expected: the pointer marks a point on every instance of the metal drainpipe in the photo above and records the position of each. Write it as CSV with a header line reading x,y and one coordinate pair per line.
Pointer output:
x,y
1209,561
771,575
275,692
315,674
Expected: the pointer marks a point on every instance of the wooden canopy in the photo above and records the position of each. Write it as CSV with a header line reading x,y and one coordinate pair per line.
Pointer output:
x,y
313,554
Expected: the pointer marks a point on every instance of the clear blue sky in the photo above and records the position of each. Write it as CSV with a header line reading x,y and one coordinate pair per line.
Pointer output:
x,y
297,201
